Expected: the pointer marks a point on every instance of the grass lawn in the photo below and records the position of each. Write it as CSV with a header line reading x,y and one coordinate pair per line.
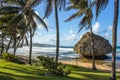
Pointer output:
x,y
13,71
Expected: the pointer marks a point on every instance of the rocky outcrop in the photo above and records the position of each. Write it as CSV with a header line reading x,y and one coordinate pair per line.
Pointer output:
x,y
101,46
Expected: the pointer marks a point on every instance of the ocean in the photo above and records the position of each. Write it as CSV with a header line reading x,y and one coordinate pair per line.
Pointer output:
x,y
64,52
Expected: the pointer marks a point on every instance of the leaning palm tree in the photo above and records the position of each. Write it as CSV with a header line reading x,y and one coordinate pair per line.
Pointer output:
x,y
49,7
84,10
25,12
114,38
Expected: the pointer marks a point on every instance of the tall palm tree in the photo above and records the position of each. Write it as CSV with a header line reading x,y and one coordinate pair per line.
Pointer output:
x,y
49,6
84,10
101,4
114,38
25,12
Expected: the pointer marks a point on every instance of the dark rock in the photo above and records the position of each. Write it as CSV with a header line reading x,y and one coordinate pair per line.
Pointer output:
x,y
101,46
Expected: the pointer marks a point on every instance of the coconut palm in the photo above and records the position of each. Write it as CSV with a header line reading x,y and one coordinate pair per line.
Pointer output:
x,y
101,4
114,38
3,28
49,8
83,8
27,13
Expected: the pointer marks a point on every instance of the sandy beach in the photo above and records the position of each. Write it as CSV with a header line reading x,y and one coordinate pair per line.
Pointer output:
x,y
104,66
100,64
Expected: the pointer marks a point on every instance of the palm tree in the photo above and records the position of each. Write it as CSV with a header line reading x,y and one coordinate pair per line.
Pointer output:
x,y
84,10
25,12
114,38
101,4
57,4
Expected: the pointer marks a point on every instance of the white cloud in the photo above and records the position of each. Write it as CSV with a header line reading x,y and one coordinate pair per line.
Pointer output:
x,y
48,39
110,28
96,27
38,33
108,36
71,36
44,39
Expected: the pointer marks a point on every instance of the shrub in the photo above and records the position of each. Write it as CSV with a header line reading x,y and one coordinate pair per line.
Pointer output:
x,y
9,57
12,58
50,64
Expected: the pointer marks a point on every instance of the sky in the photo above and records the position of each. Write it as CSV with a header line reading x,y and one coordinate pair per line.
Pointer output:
x,y
69,35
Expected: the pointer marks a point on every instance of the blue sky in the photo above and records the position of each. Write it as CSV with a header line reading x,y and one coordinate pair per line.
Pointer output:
x,y
68,30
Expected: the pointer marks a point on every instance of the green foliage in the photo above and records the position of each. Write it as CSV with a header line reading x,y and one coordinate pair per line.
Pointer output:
x,y
50,64
11,58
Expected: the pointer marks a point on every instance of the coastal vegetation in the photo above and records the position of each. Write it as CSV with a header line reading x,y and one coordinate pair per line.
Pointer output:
x,y
18,23
13,71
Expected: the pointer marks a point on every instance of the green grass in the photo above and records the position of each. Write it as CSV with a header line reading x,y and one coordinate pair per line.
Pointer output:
x,y
13,71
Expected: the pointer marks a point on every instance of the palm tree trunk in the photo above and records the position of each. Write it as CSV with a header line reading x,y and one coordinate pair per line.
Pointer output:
x,y
20,40
30,53
8,44
92,46
14,45
114,38
57,30
2,46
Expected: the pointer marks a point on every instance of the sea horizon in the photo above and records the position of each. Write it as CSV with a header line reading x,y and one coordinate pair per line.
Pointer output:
x,y
65,52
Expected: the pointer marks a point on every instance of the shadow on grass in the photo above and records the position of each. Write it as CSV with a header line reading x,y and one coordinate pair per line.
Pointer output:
x,y
93,76
3,76
25,70
83,69
28,73
10,76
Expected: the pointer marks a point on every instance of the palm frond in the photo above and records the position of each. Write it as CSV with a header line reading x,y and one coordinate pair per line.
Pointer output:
x,y
83,23
9,10
100,5
16,19
76,2
32,3
48,8
40,20
15,2
71,7
61,4
6,17
36,2
75,15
